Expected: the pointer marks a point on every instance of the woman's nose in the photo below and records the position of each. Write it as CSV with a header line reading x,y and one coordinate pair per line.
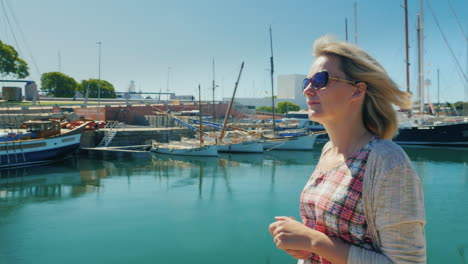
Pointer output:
x,y
309,90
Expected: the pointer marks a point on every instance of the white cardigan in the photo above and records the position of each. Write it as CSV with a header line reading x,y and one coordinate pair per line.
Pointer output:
x,y
394,207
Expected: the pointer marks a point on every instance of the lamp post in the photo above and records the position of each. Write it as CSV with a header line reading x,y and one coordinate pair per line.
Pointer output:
x,y
99,83
167,84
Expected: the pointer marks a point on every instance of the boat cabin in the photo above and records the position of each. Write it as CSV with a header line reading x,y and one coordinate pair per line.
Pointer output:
x,y
42,129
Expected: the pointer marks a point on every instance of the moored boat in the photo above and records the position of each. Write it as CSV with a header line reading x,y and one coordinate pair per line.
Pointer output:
x,y
185,149
291,141
253,146
42,142
454,133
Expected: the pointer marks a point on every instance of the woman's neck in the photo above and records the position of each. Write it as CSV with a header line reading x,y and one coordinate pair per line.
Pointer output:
x,y
347,136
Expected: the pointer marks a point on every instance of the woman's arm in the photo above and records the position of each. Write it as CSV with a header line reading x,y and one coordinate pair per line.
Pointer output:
x,y
399,215
299,241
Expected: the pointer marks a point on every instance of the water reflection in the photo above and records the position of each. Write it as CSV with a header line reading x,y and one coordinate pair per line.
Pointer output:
x,y
437,154
181,161
187,192
55,181
78,176
293,157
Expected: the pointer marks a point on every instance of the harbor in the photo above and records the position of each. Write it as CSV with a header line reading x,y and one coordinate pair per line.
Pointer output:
x,y
181,132
113,188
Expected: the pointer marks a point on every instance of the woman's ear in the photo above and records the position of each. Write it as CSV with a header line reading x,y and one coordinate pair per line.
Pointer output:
x,y
359,90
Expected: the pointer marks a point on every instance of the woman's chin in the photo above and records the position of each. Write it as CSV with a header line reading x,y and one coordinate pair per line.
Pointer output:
x,y
314,115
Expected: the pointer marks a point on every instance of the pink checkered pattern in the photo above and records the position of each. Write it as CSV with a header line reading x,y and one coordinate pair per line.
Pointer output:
x,y
331,202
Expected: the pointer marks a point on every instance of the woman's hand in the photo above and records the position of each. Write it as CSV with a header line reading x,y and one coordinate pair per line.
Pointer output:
x,y
290,234
297,239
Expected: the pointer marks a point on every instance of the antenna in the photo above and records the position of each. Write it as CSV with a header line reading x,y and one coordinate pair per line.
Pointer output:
x,y
59,61
167,84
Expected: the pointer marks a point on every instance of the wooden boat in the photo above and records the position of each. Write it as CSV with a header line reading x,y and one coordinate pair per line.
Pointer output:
x,y
235,141
187,147
42,142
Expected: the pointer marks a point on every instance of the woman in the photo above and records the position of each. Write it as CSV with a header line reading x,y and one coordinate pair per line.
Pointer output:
x,y
364,202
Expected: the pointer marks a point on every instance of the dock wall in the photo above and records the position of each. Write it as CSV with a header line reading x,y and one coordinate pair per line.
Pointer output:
x,y
135,136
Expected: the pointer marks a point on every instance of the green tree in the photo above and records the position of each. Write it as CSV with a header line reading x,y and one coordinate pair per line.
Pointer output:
x,y
462,107
58,84
285,107
107,89
11,63
265,109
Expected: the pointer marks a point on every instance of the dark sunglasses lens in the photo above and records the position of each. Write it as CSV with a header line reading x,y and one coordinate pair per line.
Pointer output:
x,y
320,80
305,83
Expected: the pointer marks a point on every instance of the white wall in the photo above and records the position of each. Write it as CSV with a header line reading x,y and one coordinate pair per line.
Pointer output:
x,y
288,90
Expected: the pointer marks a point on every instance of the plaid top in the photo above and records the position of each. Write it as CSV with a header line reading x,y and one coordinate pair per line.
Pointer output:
x,y
331,202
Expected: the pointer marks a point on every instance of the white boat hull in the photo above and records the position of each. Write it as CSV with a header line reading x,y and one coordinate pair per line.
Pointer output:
x,y
205,151
243,147
305,142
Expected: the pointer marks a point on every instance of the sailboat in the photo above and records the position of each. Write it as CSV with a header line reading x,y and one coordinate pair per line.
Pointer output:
x,y
187,147
236,141
286,140
433,131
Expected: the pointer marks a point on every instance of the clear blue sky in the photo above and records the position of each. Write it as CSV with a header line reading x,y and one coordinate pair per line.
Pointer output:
x,y
141,40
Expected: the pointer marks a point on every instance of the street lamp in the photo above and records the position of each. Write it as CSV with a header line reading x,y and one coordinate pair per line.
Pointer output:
x,y
99,83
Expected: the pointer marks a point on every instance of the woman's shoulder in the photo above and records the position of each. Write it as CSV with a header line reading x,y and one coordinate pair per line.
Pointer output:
x,y
389,151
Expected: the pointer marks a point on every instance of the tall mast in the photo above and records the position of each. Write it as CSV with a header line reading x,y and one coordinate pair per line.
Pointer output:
x,y
214,86
438,93
421,59
346,28
228,111
200,127
272,90
407,47
355,23
99,84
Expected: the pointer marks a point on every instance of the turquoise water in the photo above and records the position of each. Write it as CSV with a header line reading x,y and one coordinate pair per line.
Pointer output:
x,y
163,209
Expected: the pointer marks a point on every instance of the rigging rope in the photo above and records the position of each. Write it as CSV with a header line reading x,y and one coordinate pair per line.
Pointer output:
x,y
459,68
7,18
458,21
23,37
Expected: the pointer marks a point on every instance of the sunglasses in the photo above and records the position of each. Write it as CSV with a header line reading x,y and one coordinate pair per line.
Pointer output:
x,y
320,80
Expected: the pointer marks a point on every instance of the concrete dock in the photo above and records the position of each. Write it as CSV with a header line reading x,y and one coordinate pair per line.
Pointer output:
x,y
134,136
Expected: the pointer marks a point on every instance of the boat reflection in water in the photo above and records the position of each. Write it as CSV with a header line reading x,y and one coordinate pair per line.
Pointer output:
x,y
62,180
77,176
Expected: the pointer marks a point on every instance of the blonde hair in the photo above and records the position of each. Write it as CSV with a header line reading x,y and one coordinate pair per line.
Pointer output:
x,y
382,93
